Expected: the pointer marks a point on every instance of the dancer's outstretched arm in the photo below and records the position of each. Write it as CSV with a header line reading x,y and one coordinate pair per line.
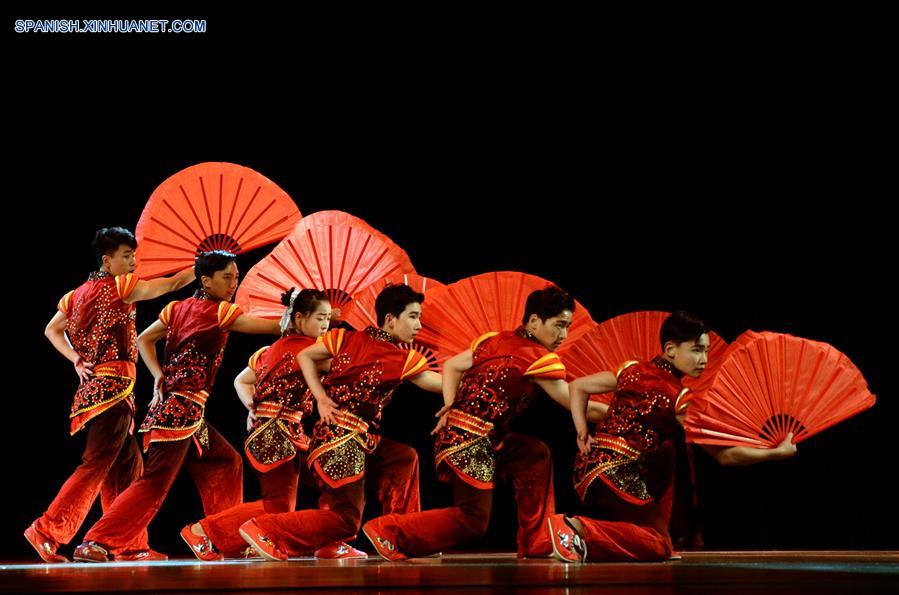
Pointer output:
x,y
256,326
147,290
747,455
452,376
595,384
309,360
429,381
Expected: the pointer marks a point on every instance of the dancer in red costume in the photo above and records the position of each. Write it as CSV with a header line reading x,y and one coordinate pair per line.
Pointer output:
x,y
98,318
366,367
625,469
196,331
484,388
273,390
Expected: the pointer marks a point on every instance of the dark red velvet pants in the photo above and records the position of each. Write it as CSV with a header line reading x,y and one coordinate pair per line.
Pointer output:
x,y
217,473
110,463
279,494
523,461
393,470
617,531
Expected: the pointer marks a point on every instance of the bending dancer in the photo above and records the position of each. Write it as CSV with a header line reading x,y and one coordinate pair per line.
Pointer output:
x,y
624,472
484,388
366,367
273,390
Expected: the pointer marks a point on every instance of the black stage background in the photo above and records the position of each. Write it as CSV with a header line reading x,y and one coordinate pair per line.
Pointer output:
x,y
734,175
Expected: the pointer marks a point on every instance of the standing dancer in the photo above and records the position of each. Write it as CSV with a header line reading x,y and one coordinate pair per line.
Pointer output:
x,y
196,332
484,388
624,472
99,319
366,368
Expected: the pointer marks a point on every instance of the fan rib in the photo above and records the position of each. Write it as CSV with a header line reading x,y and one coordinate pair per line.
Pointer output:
x,y
194,212
183,222
244,214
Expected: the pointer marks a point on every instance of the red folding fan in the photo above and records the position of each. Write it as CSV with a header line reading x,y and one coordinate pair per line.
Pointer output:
x,y
330,250
363,313
770,384
632,336
210,206
456,314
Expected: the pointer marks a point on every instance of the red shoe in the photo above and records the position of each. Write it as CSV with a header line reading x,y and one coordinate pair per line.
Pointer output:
x,y
44,546
200,545
568,546
253,535
385,548
91,551
340,551
149,555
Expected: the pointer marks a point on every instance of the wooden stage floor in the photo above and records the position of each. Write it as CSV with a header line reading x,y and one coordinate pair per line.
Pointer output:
x,y
768,572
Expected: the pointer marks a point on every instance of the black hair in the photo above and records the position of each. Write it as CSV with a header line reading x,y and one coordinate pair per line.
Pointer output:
x,y
107,241
546,303
306,303
681,327
393,299
208,263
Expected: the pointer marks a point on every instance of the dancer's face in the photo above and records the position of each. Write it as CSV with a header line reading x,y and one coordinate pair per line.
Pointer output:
x,y
405,326
550,332
316,323
119,262
222,284
690,357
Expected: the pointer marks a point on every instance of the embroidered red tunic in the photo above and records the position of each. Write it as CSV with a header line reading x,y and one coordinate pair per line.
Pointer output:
x,y
497,388
633,452
366,368
101,329
281,402
197,331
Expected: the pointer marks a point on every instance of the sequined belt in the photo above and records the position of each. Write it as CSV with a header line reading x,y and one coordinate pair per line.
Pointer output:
x,y
199,397
124,369
469,423
350,421
278,411
616,444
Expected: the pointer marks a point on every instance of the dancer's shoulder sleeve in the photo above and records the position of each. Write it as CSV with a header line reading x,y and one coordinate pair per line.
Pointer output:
x,y
549,366
166,315
253,363
335,340
416,363
125,284
65,304
228,313
480,340
624,366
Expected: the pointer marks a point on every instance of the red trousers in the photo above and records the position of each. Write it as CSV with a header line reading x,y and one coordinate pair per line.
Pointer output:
x,y
523,461
218,475
279,494
393,470
110,463
624,532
